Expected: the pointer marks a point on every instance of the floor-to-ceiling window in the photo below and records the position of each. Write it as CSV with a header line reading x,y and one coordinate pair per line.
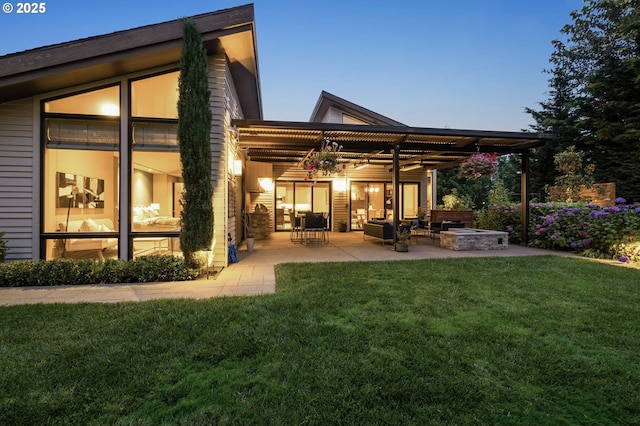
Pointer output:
x,y
156,175
81,188
80,192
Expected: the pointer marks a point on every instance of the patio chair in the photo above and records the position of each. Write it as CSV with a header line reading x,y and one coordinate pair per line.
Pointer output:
x,y
313,228
325,222
296,228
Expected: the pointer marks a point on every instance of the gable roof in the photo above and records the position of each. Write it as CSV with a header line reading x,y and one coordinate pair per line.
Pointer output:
x,y
327,100
54,67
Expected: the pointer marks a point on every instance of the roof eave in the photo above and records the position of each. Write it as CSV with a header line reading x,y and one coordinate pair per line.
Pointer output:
x,y
97,58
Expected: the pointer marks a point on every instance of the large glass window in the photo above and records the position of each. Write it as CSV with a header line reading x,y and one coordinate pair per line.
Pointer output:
x,y
156,174
80,174
155,97
102,102
81,170
367,202
374,200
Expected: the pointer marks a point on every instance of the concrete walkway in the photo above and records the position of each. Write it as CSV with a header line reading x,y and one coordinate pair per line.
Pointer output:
x,y
254,273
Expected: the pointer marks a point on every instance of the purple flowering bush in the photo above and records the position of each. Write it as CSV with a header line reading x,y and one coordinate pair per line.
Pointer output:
x,y
596,231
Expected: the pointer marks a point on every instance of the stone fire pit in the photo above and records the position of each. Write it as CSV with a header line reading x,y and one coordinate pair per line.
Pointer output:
x,y
473,239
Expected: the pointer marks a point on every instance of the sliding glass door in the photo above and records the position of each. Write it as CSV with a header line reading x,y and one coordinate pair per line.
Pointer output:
x,y
293,198
374,200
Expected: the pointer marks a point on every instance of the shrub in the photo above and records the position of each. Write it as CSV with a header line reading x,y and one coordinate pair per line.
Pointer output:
x,y
610,232
3,247
77,272
456,201
502,217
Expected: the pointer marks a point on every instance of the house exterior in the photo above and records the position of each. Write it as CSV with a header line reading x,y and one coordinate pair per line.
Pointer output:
x,y
89,160
90,164
363,191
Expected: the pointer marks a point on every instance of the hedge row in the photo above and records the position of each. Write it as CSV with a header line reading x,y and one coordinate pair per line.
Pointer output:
x,y
86,271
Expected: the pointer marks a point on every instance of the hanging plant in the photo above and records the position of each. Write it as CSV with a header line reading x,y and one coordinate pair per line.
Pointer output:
x,y
479,165
326,160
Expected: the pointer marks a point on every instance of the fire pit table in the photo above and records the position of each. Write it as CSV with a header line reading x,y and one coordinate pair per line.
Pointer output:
x,y
473,239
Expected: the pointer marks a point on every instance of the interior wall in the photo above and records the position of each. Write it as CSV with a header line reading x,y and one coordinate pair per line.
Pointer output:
x,y
142,188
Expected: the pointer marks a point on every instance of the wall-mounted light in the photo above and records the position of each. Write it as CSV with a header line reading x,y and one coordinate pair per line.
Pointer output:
x,y
237,167
266,183
339,185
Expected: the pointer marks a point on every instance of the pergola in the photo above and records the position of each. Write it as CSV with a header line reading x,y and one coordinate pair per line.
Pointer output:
x,y
397,147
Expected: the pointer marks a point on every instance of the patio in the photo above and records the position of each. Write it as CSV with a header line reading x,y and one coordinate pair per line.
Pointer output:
x,y
254,273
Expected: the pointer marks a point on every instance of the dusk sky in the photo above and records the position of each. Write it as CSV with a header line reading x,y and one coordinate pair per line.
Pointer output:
x,y
460,64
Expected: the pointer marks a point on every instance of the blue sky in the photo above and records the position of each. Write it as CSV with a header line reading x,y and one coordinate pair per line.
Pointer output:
x,y
465,64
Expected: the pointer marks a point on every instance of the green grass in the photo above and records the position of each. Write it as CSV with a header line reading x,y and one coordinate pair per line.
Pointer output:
x,y
536,340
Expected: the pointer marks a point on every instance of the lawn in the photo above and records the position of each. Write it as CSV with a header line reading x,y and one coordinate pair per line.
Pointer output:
x,y
535,340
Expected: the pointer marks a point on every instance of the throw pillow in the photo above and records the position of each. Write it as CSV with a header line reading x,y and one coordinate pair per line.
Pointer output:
x,y
88,225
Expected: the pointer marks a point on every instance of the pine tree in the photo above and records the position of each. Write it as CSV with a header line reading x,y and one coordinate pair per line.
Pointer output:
x,y
194,127
595,96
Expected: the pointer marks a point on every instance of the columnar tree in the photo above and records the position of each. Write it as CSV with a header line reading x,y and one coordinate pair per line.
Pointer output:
x,y
194,128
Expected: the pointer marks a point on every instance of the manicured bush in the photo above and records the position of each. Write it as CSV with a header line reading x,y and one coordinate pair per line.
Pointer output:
x,y
78,272
596,231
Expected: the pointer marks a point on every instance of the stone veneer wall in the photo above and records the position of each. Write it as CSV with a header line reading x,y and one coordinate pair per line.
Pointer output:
x,y
260,225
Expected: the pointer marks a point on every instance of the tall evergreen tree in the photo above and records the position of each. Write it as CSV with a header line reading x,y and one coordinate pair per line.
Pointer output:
x,y
194,128
595,93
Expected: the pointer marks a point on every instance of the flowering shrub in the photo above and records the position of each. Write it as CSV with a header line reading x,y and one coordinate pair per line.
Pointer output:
x,y
479,165
611,231
325,160
501,217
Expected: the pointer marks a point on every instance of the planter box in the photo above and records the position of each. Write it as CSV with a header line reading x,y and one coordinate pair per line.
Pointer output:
x,y
465,216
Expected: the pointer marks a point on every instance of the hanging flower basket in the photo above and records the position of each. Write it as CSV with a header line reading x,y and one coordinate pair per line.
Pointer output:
x,y
479,165
324,161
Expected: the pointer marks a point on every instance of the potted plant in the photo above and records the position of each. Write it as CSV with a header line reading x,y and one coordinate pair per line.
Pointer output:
x,y
325,161
423,217
250,242
342,225
248,233
402,239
